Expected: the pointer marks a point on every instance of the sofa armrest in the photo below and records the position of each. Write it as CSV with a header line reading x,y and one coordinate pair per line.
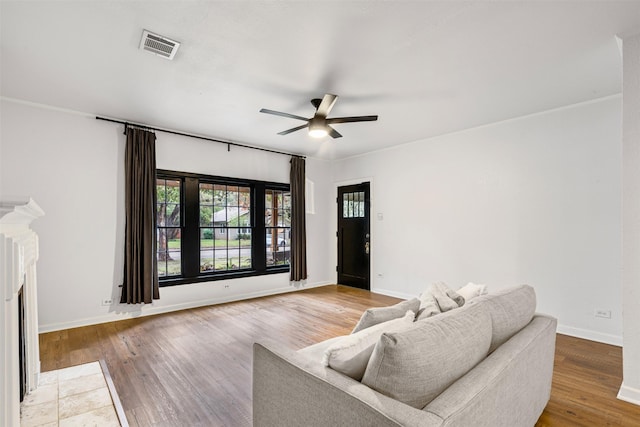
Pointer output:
x,y
511,387
289,389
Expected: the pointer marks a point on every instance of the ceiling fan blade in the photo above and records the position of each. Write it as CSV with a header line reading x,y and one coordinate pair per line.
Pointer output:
x,y
352,119
288,131
326,105
279,113
333,133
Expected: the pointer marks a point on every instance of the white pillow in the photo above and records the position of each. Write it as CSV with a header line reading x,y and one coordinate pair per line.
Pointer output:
x,y
351,354
471,290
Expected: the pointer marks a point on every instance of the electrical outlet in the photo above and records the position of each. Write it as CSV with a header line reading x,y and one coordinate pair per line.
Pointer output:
x,y
605,314
107,301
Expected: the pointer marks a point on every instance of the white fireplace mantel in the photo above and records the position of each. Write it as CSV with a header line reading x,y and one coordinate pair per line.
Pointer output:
x,y
18,256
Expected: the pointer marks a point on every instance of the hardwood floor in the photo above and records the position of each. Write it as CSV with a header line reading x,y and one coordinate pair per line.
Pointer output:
x,y
193,367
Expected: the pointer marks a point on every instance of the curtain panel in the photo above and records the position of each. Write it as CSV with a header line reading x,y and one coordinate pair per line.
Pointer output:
x,y
140,284
298,269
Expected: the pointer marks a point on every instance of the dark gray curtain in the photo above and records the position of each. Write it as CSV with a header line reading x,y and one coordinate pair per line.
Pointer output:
x,y
140,283
298,223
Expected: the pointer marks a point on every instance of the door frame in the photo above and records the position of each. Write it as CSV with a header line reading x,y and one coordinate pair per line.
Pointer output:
x,y
372,224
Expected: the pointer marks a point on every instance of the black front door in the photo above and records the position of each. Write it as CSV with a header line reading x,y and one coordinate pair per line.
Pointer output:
x,y
353,235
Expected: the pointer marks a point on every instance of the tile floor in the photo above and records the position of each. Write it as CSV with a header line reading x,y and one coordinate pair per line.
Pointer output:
x,y
75,396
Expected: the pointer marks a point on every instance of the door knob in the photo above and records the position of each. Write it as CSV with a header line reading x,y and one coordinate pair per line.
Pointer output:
x,y
366,248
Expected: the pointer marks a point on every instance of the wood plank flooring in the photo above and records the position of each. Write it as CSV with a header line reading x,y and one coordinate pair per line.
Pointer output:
x,y
193,367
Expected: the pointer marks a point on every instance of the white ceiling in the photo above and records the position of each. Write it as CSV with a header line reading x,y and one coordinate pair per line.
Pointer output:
x,y
426,68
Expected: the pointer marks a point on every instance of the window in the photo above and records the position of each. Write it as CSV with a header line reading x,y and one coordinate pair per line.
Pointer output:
x,y
213,228
169,232
224,212
278,226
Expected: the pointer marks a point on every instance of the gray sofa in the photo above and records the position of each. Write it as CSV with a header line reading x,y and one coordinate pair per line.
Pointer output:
x,y
488,363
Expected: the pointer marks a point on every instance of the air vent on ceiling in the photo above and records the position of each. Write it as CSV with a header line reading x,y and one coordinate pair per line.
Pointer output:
x,y
159,45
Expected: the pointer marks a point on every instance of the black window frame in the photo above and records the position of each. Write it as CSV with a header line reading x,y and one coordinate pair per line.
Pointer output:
x,y
190,231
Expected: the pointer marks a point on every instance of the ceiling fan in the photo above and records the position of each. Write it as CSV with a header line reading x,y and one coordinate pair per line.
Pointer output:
x,y
319,124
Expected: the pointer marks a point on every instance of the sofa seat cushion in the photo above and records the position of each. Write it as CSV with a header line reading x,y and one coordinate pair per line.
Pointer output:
x,y
350,354
316,351
511,310
376,315
416,365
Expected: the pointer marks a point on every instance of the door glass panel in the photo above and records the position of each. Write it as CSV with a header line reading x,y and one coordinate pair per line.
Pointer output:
x,y
353,205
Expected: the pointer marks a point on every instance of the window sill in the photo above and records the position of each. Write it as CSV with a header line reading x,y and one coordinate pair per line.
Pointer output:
x,y
212,277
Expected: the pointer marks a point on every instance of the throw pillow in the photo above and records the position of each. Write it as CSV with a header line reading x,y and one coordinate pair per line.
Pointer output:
x,y
376,315
438,299
471,290
416,365
350,354
428,306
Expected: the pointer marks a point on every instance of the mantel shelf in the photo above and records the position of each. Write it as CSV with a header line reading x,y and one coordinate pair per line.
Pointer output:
x,y
19,212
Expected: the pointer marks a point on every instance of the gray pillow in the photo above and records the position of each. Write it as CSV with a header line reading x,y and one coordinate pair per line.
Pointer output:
x,y
511,310
417,365
376,315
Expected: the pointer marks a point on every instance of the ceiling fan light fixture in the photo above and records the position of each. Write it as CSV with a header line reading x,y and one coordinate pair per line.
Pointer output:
x,y
317,129
318,133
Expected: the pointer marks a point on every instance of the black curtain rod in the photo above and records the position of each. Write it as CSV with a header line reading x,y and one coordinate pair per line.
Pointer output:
x,y
228,143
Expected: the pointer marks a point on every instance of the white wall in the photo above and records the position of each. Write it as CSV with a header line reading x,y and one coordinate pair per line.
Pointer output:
x,y
72,165
533,200
630,389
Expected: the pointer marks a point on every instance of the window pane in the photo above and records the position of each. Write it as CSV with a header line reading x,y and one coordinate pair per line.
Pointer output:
x,y
206,194
172,215
206,249
220,247
162,267
206,238
206,216
345,205
161,214
169,247
245,197
232,196
220,216
174,263
234,261
220,195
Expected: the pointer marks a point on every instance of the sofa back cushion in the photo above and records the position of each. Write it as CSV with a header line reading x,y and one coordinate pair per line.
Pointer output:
x,y
376,315
511,310
416,365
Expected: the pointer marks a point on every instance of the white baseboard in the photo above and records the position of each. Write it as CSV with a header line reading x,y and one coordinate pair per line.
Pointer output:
x,y
562,329
392,293
149,309
629,394
590,335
